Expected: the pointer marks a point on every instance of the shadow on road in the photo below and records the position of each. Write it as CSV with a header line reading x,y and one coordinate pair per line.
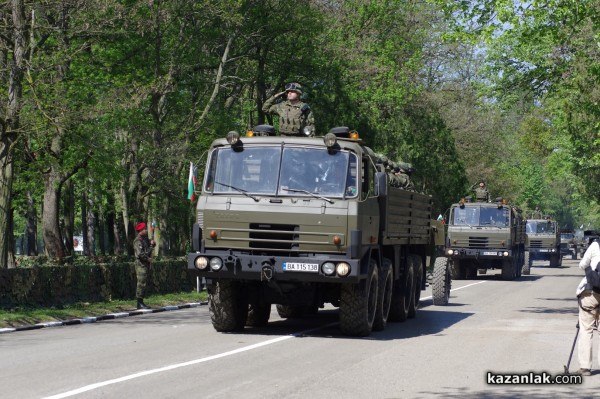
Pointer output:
x,y
326,325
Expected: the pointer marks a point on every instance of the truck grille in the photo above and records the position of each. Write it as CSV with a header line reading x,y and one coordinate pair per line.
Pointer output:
x,y
536,244
478,242
273,236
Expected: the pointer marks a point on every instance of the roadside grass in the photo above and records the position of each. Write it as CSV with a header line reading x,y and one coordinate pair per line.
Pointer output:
x,y
23,316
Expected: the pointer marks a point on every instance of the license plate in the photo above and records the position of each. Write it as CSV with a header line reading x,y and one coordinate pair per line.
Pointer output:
x,y
544,250
490,253
300,267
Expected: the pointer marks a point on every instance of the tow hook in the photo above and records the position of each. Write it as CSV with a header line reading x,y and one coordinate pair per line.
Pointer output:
x,y
267,271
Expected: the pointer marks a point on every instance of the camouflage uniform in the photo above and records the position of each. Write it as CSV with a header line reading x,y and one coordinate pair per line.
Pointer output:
x,y
292,117
481,193
537,214
401,176
143,252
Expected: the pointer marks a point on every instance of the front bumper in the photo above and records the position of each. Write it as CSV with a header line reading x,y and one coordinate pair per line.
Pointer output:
x,y
240,266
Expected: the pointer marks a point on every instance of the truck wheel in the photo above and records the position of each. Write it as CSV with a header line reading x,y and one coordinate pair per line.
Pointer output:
x,y
508,269
401,295
526,271
358,303
574,255
457,270
553,261
384,295
290,312
441,282
228,306
417,266
258,315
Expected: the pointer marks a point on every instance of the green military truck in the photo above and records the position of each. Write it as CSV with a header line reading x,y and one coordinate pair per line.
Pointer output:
x,y
543,243
303,221
484,236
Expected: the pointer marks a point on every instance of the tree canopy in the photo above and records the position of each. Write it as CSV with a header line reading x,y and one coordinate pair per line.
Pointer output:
x,y
104,104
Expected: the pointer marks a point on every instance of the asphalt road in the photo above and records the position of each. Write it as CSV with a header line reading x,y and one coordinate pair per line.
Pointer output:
x,y
520,326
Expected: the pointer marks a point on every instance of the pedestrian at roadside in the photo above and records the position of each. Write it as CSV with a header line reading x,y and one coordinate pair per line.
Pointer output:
x,y
294,115
142,247
588,296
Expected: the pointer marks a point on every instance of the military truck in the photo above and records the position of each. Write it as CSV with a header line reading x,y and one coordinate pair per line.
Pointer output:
x,y
568,244
484,236
543,243
303,221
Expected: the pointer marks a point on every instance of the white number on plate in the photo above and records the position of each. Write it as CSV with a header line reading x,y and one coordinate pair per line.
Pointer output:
x,y
300,267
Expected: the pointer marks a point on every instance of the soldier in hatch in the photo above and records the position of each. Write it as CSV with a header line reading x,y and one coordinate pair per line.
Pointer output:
x,y
481,192
294,115
537,213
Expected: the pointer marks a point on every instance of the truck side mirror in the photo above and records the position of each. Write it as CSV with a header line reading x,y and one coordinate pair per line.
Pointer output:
x,y
381,187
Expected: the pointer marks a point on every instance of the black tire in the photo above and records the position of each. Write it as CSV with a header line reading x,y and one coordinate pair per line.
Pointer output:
x,y
526,270
258,315
508,269
401,295
442,282
384,295
574,255
457,270
358,303
290,312
228,306
554,260
417,266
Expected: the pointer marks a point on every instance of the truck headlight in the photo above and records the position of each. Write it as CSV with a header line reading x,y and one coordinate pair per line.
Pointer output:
x,y
342,269
201,262
450,252
216,264
328,268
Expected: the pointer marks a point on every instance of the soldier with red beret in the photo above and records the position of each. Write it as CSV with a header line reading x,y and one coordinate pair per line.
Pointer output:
x,y
142,248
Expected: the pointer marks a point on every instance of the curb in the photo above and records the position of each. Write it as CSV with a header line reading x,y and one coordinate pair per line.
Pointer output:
x,y
94,319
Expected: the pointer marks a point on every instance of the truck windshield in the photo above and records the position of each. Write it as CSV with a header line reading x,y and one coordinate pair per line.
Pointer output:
x,y
287,171
480,216
540,227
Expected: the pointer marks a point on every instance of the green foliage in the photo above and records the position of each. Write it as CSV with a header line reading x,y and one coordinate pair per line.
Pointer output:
x,y
501,90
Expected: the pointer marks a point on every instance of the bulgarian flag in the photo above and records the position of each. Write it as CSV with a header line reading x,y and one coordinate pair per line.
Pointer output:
x,y
192,181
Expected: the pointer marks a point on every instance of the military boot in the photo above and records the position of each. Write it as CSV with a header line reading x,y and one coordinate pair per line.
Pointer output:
x,y
141,304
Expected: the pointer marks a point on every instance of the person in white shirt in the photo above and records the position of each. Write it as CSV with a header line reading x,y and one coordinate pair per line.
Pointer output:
x,y
589,301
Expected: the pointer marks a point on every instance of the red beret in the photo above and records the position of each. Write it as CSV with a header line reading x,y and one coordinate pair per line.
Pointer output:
x,y
140,226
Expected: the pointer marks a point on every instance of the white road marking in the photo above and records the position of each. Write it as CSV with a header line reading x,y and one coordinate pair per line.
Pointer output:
x,y
459,288
185,364
204,359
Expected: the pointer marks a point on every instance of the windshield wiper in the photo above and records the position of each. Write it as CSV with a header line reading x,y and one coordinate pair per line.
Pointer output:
x,y
239,189
297,190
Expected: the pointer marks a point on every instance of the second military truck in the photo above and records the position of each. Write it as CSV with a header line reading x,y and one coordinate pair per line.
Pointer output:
x,y
543,243
303,221
483,236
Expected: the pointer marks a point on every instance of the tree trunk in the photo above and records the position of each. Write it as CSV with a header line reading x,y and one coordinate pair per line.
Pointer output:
x,y
69,215
91,228
53,242
10,126
31,230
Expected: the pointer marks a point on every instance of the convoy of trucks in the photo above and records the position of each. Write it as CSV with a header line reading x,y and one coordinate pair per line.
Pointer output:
x,y
300,222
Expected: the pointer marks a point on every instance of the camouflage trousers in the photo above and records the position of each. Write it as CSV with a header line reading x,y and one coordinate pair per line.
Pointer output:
x,y
141,273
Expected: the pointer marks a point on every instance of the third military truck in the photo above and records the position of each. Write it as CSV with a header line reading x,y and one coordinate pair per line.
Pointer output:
x,y
483,236
300,222
543,243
